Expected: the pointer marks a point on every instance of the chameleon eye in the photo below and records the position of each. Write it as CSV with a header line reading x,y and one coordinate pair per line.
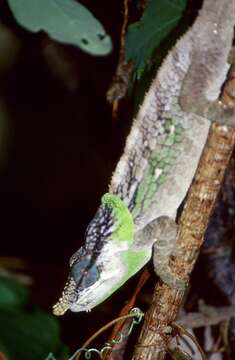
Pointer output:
x,y
84,274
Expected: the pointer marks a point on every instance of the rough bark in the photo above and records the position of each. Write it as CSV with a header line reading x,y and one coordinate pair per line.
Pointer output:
x,y
201,199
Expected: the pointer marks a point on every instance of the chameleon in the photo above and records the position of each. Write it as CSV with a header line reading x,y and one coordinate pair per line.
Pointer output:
x,y
136,218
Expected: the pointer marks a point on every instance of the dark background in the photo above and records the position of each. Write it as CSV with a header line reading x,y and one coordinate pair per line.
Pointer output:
x,y
62,146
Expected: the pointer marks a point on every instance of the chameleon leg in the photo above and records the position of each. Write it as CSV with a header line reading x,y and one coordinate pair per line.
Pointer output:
x,y
162,233
163,248
221,111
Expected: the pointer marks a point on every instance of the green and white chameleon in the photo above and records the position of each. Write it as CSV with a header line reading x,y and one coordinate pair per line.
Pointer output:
x,y
158,164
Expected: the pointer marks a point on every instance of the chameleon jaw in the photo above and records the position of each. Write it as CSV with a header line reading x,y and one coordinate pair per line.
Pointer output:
x,y
100,291
112,275
65,300
89,297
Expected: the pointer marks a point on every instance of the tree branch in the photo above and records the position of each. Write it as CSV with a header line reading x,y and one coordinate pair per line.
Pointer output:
x,y
155,334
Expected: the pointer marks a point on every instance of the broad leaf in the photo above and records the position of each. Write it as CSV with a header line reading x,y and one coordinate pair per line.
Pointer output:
x,y
143,37
64,20
12,293
28,335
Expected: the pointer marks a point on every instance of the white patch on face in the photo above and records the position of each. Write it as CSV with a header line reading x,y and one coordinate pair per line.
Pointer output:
x,y
112,273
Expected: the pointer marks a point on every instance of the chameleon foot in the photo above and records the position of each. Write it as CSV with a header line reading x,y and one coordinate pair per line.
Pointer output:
x,y
170,279
165,230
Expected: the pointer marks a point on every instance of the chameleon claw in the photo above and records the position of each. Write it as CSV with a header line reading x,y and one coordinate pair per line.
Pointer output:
x,y
172,281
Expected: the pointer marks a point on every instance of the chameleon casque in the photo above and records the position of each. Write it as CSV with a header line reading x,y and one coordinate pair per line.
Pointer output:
x,y
158,164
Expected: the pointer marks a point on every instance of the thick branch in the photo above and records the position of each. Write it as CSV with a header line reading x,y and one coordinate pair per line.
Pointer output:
x,y
200,202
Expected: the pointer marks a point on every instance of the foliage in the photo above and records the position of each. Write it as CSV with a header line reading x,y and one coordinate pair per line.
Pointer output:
x,y
26,334
144,36
64,20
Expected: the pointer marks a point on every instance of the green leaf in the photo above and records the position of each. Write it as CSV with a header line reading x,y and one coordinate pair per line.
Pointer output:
x,y
5,352
26,335
29,335
143,37
12,293
64,20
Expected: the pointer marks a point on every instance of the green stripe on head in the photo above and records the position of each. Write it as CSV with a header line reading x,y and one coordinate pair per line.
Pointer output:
x,y
125,228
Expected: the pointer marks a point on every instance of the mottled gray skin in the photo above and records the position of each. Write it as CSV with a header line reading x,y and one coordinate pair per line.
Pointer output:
x,y
188,83
211,36
165,143
193,72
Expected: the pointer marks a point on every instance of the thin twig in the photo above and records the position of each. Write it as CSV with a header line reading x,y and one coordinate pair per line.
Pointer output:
x,y
125,310
207,316
183,331
121,79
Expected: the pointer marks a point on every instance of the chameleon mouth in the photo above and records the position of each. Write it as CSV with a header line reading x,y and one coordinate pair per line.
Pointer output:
x,y
88,286
66,299
87,299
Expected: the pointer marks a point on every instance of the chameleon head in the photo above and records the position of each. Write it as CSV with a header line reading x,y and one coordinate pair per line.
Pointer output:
x,y
97,268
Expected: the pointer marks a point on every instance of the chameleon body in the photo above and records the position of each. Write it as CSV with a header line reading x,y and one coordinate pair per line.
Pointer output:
x,y
158,164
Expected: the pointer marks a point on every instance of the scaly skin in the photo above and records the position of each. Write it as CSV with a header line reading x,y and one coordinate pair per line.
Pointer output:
x,y
111,230
156,169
